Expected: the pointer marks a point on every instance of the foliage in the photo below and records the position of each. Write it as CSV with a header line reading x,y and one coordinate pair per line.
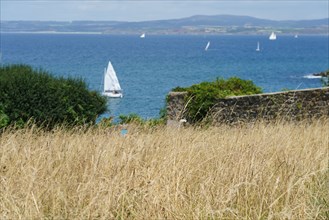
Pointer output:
x,y
137,120
106,122
201,97
28,94
163,113
4,119
131,118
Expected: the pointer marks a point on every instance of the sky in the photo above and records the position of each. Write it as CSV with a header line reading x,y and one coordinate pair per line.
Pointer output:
x,y
138,10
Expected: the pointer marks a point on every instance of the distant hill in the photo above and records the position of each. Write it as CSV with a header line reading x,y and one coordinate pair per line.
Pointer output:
x,y
216,24
227,20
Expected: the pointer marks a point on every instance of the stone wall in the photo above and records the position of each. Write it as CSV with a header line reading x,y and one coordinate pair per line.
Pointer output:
x,y
289,105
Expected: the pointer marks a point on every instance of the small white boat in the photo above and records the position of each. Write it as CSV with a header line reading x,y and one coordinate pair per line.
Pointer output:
x,y
112,86
296,35
258,48
272,36
207,46
143,35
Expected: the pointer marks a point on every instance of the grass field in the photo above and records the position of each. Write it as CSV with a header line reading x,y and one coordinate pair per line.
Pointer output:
x,y
260,171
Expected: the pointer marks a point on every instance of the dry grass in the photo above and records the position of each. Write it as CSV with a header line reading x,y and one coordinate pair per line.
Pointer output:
x,y
263,171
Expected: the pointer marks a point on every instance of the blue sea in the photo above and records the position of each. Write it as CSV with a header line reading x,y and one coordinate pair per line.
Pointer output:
x,y
149,68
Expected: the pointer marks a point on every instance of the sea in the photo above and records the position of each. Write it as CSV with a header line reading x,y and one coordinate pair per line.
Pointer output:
x,y
148,68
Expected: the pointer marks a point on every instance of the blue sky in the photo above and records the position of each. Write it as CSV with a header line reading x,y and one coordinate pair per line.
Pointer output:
x,y
137,10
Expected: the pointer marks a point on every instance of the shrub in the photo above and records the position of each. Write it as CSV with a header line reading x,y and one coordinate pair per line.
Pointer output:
x,y
131,118
138,120
27,94
4,119
201,97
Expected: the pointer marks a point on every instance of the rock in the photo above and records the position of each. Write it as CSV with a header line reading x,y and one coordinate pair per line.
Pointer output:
x,y
323,74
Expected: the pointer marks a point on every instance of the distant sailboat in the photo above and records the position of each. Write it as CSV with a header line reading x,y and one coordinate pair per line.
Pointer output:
x,y
257,49
272,36
296,35
143,35
207,46
112,86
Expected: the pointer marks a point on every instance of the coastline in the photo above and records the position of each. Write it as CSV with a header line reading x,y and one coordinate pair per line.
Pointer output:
x,y
50,32
157,33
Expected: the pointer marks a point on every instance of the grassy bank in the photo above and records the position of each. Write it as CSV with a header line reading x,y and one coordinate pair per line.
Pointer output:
x,y
262,171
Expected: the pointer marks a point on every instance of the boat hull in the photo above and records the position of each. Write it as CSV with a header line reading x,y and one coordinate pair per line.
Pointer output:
x,y
113,95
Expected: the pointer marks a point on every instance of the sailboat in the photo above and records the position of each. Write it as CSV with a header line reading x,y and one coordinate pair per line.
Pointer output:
x,y
207,46
272,36
257,49
112,86
143,35
296,35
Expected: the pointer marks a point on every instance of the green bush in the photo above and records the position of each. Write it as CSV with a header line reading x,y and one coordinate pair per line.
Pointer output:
x,y
201,97
137,120
131,118
27,94
4,119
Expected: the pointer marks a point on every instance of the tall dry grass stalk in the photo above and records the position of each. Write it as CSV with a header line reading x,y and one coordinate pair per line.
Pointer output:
x,y
261,171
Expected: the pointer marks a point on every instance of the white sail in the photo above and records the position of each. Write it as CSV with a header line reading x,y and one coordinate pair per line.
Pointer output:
x,y
143,35
272,36
112,86
257,49
207,46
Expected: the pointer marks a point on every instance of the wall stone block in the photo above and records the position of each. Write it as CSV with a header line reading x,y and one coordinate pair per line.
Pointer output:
x,y
288,105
